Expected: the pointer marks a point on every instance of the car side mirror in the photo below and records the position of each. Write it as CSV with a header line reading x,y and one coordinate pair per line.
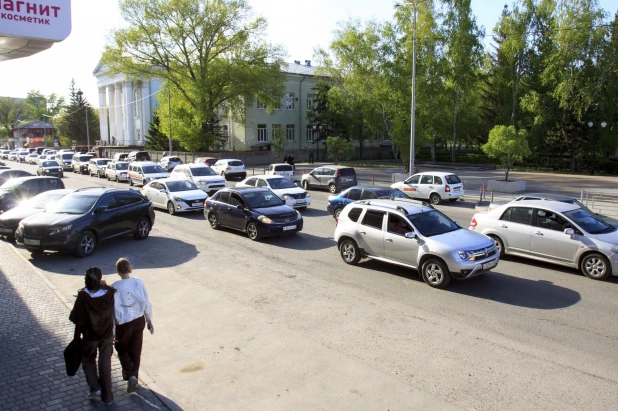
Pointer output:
x,y
101,209
240,207
411,234
162,191
569,231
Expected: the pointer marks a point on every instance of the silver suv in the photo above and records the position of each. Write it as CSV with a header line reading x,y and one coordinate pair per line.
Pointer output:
x,y
409,233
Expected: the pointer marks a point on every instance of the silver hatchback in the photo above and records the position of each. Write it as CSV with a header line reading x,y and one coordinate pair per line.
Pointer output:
x,y
553,232
408,233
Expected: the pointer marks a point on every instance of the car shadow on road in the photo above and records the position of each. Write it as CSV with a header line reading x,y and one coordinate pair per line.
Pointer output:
x,y
314,212
153,252
521,292
302,241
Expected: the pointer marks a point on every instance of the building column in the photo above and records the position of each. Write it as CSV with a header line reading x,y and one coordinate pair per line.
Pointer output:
x,y
103,115
146,113
111,113
120,135
129,111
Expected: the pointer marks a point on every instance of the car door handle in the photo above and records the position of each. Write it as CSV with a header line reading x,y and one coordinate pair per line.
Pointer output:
x,y
388,240
431,187
504,226
363,232
538,233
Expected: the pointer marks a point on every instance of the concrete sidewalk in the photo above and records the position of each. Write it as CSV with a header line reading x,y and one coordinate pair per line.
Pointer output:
x,y
34,330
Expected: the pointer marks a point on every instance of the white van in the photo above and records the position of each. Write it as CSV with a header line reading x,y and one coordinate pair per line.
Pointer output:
x,y
281,169
143,172
201,175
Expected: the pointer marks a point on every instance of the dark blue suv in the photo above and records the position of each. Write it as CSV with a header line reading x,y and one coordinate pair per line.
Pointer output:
x,y
256,211
338,201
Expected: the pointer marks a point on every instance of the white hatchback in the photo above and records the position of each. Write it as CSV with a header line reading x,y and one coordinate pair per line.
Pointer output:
x,y
175,195
435,186
289,192
281,169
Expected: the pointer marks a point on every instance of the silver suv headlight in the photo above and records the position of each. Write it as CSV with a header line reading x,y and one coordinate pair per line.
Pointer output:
x,y
466,255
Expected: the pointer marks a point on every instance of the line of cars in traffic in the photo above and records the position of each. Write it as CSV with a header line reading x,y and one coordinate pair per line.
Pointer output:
x,y
389,225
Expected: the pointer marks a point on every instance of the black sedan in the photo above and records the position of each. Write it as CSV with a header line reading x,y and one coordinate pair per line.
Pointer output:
x,y
256,211
81,220
37,204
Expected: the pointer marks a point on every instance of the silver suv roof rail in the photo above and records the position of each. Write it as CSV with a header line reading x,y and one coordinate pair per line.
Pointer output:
x,y
403,200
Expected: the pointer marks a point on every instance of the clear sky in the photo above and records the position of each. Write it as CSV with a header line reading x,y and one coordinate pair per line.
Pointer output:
x,y
298,25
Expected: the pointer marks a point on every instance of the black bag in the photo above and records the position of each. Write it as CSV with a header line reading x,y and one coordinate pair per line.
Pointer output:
x,y
73,353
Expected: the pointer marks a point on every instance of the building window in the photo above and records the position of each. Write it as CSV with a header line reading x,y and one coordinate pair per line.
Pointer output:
x,y
224,132
136,102
278,105
387,137
310,101
311,133
261,105
290,132
262,134
289,101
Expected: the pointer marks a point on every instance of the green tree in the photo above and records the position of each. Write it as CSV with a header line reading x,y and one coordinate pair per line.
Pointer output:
x,y
339,148
156,139
11,111
38,106
507,145
278,141
211,56
72,122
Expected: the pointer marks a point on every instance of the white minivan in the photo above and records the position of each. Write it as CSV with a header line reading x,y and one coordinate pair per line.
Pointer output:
x,y
281,169
435,186
201,175
143,172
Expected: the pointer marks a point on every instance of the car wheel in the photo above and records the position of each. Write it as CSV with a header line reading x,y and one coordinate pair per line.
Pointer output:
x,y
435,273
252,231
223,175
85,244
332,188
214,221
595,266
499,245
142,230
337,213
305,184
170,208
98,174
435,198
349,252
108,179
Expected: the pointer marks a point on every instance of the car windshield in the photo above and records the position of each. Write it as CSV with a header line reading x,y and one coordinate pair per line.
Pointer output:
x,y
49,164
73,204
67,156
452,179
152,169
83,159
279,183
262,199
588,222
122,166
203,171
284,168
102,162
42,200
185,185
431,223
174,159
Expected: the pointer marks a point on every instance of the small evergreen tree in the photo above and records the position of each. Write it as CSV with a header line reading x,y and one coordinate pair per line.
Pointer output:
x,y
156,139
72,124
278,141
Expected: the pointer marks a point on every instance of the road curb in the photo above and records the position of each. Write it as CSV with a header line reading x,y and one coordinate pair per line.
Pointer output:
x,y
147,380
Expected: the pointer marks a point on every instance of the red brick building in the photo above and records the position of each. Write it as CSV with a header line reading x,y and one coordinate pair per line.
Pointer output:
x,y
32,134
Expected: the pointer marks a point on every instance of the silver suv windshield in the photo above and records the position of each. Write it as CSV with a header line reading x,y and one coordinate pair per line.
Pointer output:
x,y
431,223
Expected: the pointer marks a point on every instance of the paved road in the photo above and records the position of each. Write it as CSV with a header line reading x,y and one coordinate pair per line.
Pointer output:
x,y
285,324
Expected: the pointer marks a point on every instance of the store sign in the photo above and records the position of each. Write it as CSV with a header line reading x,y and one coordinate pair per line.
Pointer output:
x,y
38,19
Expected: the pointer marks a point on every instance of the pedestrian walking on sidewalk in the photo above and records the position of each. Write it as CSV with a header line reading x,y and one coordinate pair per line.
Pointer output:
x,y
133,311
310,155
93,312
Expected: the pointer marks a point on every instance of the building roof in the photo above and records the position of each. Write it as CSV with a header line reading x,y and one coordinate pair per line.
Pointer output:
x,y
35,124
302,69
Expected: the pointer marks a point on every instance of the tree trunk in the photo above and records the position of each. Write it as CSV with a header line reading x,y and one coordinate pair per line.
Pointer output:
x,y
431,112
453,157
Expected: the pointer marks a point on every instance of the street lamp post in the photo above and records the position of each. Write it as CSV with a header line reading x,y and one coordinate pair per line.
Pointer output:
x,y
594,146
80,93
413,109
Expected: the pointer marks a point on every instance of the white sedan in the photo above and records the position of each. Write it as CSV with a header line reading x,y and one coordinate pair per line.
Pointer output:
x,y
175,195
286,190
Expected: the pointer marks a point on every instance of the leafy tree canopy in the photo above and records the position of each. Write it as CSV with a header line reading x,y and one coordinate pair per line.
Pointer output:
x,y
507,145
339,148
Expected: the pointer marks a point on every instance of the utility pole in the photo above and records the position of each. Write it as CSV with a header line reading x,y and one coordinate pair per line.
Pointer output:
x,y
169,116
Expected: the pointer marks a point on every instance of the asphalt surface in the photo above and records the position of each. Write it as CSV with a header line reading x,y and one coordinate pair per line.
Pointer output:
x,y
285,324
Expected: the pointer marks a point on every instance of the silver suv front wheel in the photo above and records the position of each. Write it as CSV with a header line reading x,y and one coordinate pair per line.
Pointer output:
x,y
435,273
349,252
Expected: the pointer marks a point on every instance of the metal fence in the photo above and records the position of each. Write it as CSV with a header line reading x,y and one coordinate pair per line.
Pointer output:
x,y
601,200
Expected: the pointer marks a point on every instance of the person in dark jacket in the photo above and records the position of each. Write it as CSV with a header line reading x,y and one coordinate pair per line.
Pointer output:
x,y
94,313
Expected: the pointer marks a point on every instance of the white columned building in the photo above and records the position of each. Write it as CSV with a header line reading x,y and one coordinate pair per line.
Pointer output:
x,y
126,107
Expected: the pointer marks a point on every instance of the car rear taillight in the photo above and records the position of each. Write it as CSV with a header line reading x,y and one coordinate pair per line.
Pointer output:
x,y
473,222
338,173
229,168
447,189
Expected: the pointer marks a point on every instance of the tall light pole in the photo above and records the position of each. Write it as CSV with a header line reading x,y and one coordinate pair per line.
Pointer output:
x,y
413,109
594,147
80,93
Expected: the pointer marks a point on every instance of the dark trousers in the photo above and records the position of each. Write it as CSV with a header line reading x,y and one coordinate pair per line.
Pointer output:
x,y
311,158
103,379
129,337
